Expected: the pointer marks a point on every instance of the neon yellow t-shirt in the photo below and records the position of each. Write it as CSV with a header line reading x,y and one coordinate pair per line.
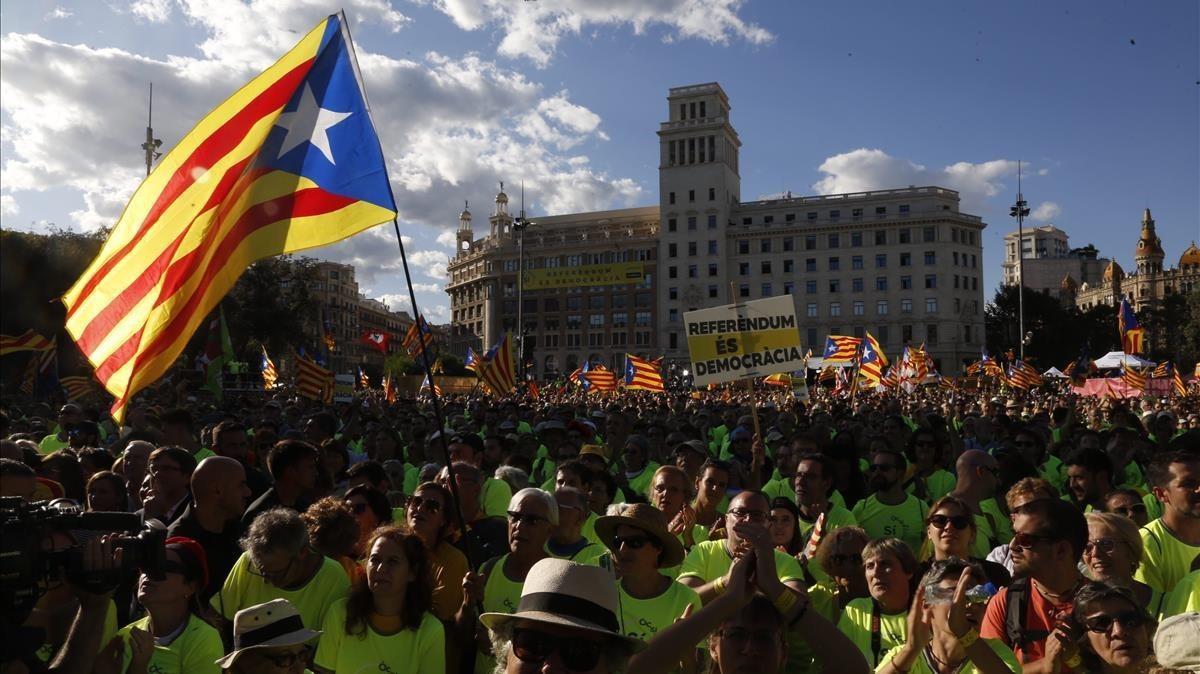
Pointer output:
x,y
495,497
780,487
1165,559
203,453
836,518
1154,507
938,484
1054,472
48,650
641,483
243,589
420,651
1184,598
921,667
501,594
589,528
856,625
643,618
905,521
196,649
412,478
709,560
51,444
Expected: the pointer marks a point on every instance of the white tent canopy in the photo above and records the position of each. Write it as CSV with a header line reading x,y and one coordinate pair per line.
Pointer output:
x,y
1054,372
1114,359
818,363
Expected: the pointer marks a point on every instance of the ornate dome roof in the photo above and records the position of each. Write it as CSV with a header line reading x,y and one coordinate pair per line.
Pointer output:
x,y
1113,272
1148,245
466,213
1190,256
1068,284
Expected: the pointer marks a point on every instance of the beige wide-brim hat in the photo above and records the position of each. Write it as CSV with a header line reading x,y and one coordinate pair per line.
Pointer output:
x,y
1175,642
650,520
560,592
274,623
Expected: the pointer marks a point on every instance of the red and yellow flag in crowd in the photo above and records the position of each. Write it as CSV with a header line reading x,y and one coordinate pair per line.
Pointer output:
x,y
601,379
497,368
312,380
27,341
643,375
290,161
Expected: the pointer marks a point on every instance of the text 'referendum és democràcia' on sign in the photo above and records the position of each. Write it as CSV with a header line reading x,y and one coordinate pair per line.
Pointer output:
x,y
750,339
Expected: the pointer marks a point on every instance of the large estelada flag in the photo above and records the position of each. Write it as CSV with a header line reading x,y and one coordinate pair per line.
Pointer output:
x,y
873,361
841,349
643,375
1132,335
289,162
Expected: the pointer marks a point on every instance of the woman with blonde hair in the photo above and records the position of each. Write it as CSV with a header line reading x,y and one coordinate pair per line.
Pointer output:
x,y
1113,553
840,556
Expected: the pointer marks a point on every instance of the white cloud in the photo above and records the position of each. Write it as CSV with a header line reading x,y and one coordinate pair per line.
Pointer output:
x,y
431,262
8,205
533,30
1047,210
447,239
59,13
397,302
1043,171
154,11
866,169
427,287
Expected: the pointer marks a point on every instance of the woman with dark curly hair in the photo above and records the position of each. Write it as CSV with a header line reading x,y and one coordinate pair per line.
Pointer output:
x,y
384,624
333,530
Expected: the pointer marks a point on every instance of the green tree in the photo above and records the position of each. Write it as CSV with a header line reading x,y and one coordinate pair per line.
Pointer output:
x,y
270,306
1057,333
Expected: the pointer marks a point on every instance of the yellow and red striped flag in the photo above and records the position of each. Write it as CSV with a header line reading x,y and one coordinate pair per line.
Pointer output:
x,y
497,369
601,379
29,376
1177,383
313,381
269,374
290,161
77,386
1134,379
27,341
643,375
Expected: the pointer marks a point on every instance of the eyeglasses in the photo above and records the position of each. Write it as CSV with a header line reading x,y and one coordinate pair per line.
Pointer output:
x,y
633,542
959,522
1105,545
525,518
1130,510
1026,541
1102,623
578,655
287,658
748,515
430,504
880,467
257,570
842,559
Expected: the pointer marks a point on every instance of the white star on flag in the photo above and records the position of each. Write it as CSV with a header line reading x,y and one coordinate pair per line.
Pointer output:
x,y
309,123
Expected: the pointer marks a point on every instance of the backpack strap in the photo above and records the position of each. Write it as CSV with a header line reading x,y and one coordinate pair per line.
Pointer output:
x,y
876,636
1016,611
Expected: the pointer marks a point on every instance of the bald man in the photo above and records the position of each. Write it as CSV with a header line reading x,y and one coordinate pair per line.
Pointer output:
x,y
219,496
977,481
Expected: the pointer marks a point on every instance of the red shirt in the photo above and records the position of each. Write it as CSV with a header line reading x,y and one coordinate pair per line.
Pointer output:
x,y
1040,616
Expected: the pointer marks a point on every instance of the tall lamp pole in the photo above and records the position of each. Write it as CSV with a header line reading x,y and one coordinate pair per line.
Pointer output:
x,y
1019,210
152,144
519,225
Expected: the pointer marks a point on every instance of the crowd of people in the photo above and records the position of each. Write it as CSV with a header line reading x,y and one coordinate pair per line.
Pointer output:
x,y
720,531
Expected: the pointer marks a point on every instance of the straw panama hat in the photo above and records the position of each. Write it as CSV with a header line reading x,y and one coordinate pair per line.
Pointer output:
x,y
650,520
274,623
560,592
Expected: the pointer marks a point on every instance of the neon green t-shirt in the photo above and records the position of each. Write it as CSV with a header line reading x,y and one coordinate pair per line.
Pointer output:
x,y
643,618
1184,598
412,478
501,594
196,649
51,444
781,486
641,483
1165,559
420,651
203,453
921,667
589,528
856,625
938,484
905,521
243,589
1154,507
495,497
710,560
836,518
48,650
1054,472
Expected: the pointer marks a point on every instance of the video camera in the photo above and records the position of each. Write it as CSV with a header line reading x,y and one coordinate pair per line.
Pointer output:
x,y
27,565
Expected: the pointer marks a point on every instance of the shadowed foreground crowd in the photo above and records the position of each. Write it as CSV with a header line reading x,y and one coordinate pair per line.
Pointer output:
x,y
931,532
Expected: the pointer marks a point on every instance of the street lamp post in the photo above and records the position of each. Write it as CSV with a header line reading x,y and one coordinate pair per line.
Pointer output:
x,y
1019,210
519,225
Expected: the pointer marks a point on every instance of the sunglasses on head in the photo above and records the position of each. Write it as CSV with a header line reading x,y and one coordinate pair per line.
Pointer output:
x,y
1102,623
577,655
959,522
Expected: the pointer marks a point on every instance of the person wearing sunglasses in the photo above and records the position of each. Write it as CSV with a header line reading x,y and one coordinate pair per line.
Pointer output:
x,y
1114,630
384,624
173,637
532,516
372,510
1112,554
876,623
1048,541
1127,503
840,559
641,547
929,481
891,511
429,517
943,627
952,532
269,638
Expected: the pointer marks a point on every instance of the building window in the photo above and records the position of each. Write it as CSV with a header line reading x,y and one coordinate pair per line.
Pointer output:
x,y
789,288
744,247
596,338
743,269
957,305
931,305
691,223
672,272
906,306
835,308
856,285
620,338
744,290
881,283
812,335
620,320
712,194
551,304
905,235
834,241
747,221
692,271
672,293
931,336
856,262
764,246
956,281
673,315
812,309
905,259
766,290
903,209
929,234
596,320
788,244
641,319
596,302
906,283
712,292
788,266
811,215
835,214
672,250
692,193
881,261
789,217
768,219
810,242
574,321
712,269
810,287
673,340
810,264
930,257
835,264
858,308
856,212
881,307
765,267
712,222
691,249
881,210
835,286
967,334
930,281
881,237
671,198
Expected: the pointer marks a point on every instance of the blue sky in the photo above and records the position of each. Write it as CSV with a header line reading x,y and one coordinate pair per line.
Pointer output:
x,y
1100,99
